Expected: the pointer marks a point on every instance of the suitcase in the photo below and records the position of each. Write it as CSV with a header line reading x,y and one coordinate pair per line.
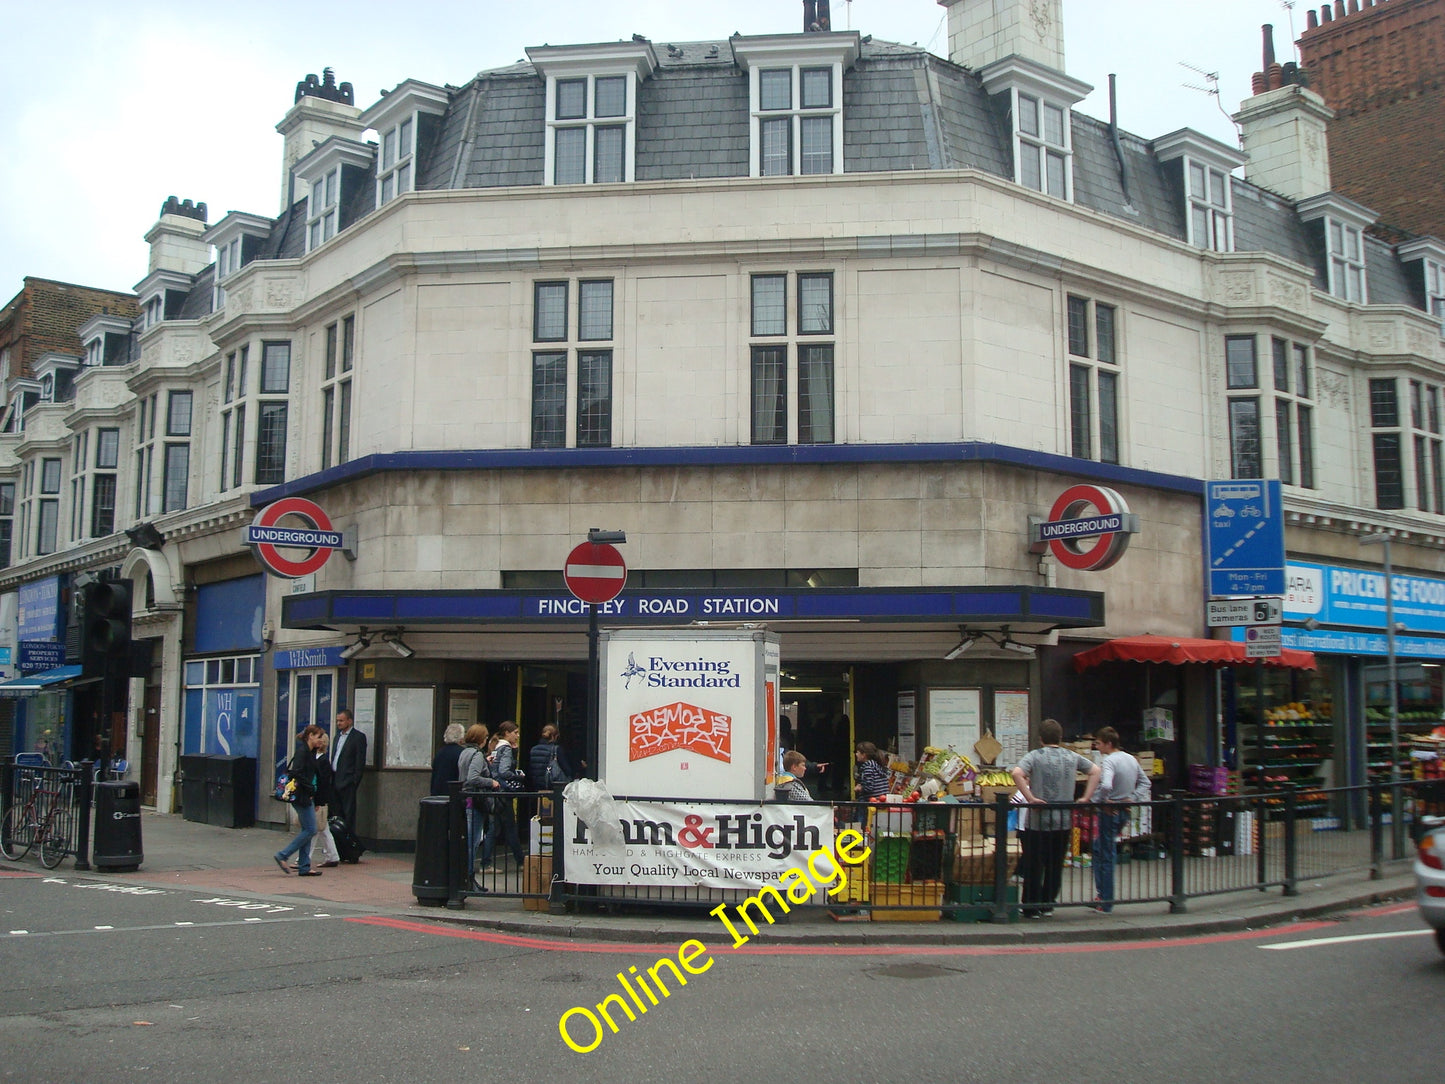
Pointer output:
x,y
347,845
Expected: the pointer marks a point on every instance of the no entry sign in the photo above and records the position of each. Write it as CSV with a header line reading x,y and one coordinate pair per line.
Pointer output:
x,y
266,535
595,572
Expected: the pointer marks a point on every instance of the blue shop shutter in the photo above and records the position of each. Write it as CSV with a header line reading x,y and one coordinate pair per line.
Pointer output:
x,y
229,615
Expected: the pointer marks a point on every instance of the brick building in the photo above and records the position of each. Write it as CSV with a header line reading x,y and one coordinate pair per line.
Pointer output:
x,y
1380,64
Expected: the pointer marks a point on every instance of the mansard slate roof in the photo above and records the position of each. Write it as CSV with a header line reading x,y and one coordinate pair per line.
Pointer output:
x,y
903,109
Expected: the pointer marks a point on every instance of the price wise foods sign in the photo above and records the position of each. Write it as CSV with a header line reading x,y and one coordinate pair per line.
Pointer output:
x,y
699,845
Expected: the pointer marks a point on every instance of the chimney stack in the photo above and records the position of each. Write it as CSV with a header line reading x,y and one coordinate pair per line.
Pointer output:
x,y
816,18
983,31
1282,128
323,108
175,239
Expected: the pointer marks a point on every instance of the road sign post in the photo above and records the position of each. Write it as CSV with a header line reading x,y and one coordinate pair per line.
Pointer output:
x,y
595,573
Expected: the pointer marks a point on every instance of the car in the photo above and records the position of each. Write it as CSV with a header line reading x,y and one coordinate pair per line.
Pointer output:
x,y
1430,875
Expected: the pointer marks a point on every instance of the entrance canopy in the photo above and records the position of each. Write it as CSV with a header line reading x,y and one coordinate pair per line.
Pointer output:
x,y
31,684
1177,650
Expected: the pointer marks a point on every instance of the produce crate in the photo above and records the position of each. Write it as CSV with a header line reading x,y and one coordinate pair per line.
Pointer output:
x,y
890,859
973,865
536,878
975,903
924,900
858,881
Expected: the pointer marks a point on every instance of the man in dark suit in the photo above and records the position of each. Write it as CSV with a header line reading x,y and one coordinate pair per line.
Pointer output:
x,y
348,757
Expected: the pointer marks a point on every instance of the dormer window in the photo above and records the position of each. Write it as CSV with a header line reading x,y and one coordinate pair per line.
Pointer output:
x,y
332,170
591,133
1203,171
1343,223
1038,100
237,239
393,173
1428,255
795,101
405,121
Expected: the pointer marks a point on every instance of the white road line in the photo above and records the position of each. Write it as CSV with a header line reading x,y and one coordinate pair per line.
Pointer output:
x,y
18,933
1315,942
166,926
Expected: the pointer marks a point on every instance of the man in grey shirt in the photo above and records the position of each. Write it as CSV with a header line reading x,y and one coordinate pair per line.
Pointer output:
x,y
1046,776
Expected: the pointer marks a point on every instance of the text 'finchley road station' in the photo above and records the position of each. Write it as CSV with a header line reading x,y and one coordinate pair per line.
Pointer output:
x,y
705,607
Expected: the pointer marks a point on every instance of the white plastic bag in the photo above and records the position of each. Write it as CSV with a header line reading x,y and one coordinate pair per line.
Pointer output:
x,y
597,809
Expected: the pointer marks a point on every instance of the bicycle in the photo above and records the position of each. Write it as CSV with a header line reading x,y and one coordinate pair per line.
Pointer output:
x,y
45,819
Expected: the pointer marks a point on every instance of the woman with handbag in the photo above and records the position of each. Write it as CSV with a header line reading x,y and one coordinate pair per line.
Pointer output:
x,y
329,855
502,767
472,766
305,776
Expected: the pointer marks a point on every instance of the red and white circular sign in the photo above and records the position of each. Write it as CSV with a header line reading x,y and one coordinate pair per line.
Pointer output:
x,y
595,572
1089,554
302,509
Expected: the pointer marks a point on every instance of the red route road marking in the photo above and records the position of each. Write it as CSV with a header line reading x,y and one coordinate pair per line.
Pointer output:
x,y
17,873
837,950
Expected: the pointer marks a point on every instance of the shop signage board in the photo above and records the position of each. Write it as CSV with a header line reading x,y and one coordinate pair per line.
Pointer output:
x,y
37,612
269,537
37,656
1088,528
1262,641
1244,537
1224,612
1338,595
595,572
700,845
1343,642
687,713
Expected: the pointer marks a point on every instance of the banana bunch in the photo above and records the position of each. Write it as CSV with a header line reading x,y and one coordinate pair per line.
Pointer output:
x,y
994,777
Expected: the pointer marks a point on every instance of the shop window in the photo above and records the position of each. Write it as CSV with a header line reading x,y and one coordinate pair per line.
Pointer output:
x,y
777,338
222,702
1093,380
305,698
583,342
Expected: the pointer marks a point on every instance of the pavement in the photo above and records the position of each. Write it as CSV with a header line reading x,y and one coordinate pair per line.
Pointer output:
x,y
218,861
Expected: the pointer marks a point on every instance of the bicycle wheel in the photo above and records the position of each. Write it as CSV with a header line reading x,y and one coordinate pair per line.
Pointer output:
x,y
55,836
15,834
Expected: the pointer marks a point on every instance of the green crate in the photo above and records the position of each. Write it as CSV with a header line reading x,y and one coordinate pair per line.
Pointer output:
x,y
890,859
974,903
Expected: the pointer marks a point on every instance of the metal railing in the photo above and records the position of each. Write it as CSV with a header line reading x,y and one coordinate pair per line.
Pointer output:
x,y
990,861
46,808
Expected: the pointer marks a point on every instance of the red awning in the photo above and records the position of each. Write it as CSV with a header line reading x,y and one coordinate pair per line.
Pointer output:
x,y
1177,650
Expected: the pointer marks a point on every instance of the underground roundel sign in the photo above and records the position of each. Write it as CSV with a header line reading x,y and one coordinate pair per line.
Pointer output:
x,y
1088,528
269,536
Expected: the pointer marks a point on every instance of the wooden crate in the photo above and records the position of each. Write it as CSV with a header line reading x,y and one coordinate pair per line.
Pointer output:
x,y
923,901
536,878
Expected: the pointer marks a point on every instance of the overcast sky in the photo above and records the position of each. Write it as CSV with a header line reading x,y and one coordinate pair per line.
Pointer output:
x,y
109,106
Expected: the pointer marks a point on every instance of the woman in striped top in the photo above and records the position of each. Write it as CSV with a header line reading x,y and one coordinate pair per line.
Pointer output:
x,y
872,777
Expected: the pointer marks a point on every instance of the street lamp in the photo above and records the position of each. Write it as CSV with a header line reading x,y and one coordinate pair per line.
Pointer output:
x,y
1382,539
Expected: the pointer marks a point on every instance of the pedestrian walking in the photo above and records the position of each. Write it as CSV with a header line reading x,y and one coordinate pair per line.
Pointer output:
x,y
502,767
303,773
1046,776
1119,776
476,782
329,855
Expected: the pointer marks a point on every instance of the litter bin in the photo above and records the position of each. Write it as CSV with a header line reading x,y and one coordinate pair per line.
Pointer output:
x,y
429,875
193,787
117,827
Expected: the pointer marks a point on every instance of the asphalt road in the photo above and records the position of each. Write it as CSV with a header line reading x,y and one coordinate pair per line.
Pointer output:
x,y
102,981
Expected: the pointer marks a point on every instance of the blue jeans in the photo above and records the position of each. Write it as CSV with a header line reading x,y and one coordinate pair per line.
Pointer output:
x,y
300,845
1105,848
476,823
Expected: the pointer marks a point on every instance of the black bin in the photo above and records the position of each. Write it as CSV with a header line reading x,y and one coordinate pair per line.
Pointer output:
x,y
230,791
117,826
194,805
429,875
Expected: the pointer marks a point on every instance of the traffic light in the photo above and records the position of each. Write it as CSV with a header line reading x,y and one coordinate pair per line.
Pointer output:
x,y
105,628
